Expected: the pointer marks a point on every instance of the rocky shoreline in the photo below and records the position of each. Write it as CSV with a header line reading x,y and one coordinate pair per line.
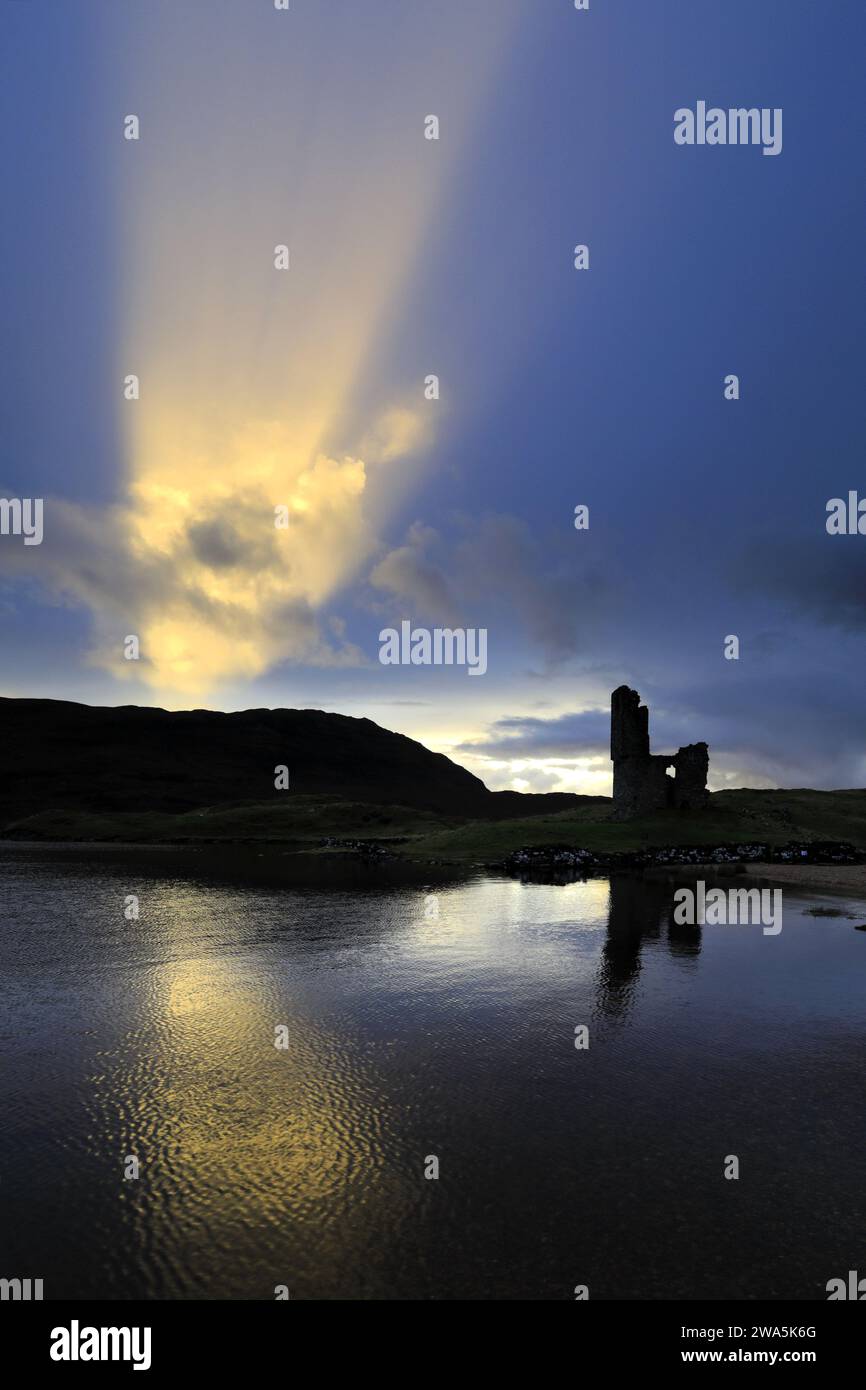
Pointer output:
x,y
540,860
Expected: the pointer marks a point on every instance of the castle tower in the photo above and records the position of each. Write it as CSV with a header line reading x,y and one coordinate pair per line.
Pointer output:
x,y
629,725
645,782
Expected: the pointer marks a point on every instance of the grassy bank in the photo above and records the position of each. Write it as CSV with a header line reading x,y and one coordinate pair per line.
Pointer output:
x,y
299,820
304,821
734,817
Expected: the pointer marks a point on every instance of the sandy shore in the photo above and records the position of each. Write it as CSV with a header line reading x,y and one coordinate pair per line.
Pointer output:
x,y
837,878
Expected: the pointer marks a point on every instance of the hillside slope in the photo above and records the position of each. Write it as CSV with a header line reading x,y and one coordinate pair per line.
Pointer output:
x,y
58,756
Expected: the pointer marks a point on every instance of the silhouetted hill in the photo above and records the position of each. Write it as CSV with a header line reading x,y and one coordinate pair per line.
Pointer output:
x,y
55,755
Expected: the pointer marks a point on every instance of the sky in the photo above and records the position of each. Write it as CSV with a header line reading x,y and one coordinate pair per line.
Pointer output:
x,y
306,387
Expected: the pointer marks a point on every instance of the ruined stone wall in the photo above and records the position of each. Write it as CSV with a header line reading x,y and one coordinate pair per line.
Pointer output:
x,y
641,784
692,764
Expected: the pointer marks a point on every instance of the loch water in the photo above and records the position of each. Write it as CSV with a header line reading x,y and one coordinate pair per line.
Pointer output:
x,y
428,1015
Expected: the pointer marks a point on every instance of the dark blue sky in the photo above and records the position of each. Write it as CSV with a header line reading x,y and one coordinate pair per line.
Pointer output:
x,y
707,517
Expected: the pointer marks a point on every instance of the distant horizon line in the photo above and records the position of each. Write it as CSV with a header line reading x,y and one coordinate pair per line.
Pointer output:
x,y
314,709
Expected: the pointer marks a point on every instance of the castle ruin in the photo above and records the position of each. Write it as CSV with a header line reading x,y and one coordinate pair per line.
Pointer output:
x,y
642,781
